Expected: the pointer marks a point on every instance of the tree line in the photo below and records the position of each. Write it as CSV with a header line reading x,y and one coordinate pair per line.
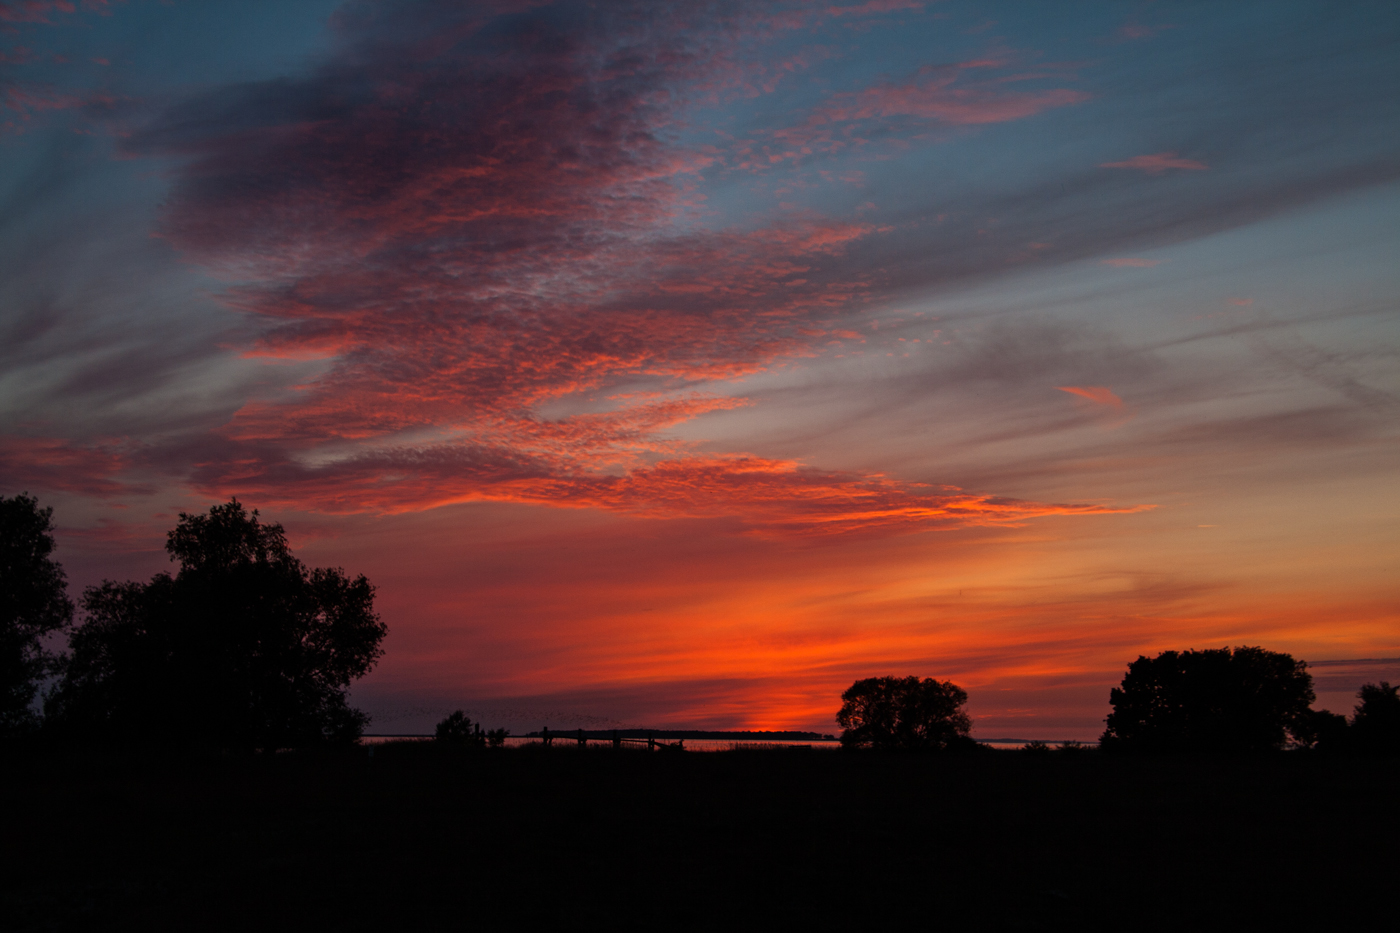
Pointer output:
x,y
1219,700
245,647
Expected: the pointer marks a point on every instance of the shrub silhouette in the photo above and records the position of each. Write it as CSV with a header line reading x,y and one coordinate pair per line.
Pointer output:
x,y
1375,724
1217,700
904,712
33,602
1322,731
245,647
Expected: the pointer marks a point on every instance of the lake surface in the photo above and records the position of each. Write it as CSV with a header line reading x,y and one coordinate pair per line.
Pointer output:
x,y
562,740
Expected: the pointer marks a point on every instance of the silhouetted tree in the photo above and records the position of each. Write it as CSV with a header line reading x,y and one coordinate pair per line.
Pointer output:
x,y
1375,724
33,602
904,712
244,647
1217,700
457,729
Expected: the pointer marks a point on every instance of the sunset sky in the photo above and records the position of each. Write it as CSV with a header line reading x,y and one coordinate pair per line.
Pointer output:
x,y
677,364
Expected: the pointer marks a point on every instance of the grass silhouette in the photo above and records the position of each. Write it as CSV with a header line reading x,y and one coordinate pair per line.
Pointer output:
x,y
421,836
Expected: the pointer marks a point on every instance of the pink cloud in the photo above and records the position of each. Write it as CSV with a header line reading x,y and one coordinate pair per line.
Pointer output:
x,y
1157,163
36,11
875,6
1099,395
1242,302
32,11
965,94
26,101
1139,31
54,464
515,246
1132,262
770,497
937,101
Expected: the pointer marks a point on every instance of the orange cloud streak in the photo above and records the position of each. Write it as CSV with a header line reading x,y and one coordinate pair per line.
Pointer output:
x,y
770,497
1131,262
1100,395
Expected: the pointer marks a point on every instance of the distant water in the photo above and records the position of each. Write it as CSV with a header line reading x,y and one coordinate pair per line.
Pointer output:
x,y
691,745
562,740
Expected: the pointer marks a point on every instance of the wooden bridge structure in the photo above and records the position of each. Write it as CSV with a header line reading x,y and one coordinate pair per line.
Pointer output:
x,y
615,740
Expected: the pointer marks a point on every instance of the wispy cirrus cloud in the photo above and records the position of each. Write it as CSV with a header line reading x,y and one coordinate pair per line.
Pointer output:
x,y
1099,395
57,464
770,497
38,11
27,95
31,99
968,93
875,6
1157,163
936,93
1131,262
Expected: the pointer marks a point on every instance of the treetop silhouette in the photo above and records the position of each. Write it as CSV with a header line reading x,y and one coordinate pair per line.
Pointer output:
x,y
1216,700
33,602
904,713
1375,723
244,647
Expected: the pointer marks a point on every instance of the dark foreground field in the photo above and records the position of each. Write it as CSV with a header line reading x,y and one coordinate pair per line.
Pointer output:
x,y
520,838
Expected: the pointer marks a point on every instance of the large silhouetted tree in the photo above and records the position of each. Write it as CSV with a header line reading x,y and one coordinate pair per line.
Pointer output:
x,y
1375,724
1217,700
33,602
904,712
245,647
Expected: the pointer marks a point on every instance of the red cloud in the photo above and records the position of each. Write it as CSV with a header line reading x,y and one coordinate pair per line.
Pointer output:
x,y
875,6
1131,262
936,94
1157,163
32,11
773,497
937,99
1100,395
471,225
50,463
35,11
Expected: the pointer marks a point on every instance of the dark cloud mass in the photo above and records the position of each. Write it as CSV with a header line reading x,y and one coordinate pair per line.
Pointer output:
x,y
473,211
461,216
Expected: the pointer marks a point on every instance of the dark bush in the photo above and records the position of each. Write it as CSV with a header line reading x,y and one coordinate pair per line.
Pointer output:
x,y
1322,731
456,729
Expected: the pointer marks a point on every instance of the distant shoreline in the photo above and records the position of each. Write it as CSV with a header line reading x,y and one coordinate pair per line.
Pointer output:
x,y
638,734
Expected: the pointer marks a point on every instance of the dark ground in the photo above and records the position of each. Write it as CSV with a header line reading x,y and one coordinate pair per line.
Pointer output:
x,y
527,838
